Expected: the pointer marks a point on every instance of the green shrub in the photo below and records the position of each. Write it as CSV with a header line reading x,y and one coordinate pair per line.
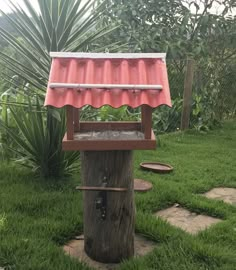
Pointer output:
x,y
39,138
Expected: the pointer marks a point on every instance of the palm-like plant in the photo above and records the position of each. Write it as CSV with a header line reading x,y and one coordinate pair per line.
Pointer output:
x,y
60,25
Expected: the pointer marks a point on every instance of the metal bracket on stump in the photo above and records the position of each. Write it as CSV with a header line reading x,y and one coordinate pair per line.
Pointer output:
x,y
101,204
111,189
101,200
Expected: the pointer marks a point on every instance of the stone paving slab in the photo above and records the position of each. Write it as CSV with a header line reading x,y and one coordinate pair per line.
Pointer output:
x,y
227,195
186,220
75,249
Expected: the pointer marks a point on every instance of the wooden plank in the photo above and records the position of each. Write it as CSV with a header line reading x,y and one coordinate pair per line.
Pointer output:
x,y
187,97
102,145
108,216
98,126
146,113
70,122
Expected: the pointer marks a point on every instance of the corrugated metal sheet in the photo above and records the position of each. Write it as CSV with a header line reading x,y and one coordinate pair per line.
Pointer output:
x,y
148,71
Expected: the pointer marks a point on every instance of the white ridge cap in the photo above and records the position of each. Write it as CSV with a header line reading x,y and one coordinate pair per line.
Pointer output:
x,y
107,55
109,86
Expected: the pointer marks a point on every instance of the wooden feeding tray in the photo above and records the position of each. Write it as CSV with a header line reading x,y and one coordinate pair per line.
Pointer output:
x,y
103,136
109,136
156,167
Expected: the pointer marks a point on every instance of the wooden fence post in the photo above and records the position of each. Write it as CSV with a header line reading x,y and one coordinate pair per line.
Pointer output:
x,y
188,84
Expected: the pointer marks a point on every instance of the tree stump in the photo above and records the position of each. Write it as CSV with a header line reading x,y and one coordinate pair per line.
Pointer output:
x,y
108,214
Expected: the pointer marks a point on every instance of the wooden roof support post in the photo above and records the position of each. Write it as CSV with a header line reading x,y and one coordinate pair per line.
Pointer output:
x,y
70,122
146,114
76,119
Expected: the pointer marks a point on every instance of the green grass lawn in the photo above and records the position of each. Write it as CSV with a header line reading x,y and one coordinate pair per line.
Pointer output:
x,y
37,217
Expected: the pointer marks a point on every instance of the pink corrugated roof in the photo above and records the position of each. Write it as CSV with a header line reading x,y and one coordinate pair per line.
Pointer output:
x,y
129,69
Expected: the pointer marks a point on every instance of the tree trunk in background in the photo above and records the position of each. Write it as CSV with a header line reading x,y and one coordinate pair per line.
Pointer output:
x,y
188,84
108,215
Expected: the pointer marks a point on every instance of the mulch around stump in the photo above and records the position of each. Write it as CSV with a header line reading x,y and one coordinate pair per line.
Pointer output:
x,y
75,249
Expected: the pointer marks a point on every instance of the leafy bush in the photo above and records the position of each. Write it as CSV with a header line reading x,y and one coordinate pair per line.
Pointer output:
x,y
124,113
107,113
203,115
166,119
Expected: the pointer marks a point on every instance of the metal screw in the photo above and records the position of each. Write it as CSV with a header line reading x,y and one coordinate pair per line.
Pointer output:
x,y
104,181
98,203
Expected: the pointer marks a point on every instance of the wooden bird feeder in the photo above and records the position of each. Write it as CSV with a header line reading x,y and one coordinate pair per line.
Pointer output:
x,y
98,79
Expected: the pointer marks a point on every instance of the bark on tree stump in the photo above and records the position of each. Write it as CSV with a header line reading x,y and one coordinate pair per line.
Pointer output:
x,y
108,215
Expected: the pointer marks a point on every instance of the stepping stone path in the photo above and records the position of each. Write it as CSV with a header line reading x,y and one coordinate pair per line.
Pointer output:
x,y
227,195
175,215
186,220
75,248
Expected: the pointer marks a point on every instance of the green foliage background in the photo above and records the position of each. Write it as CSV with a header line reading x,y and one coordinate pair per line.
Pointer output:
x,y
180,28
65,25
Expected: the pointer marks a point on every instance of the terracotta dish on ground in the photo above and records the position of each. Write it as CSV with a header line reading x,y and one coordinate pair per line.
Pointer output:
x,y
141,185
156,167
